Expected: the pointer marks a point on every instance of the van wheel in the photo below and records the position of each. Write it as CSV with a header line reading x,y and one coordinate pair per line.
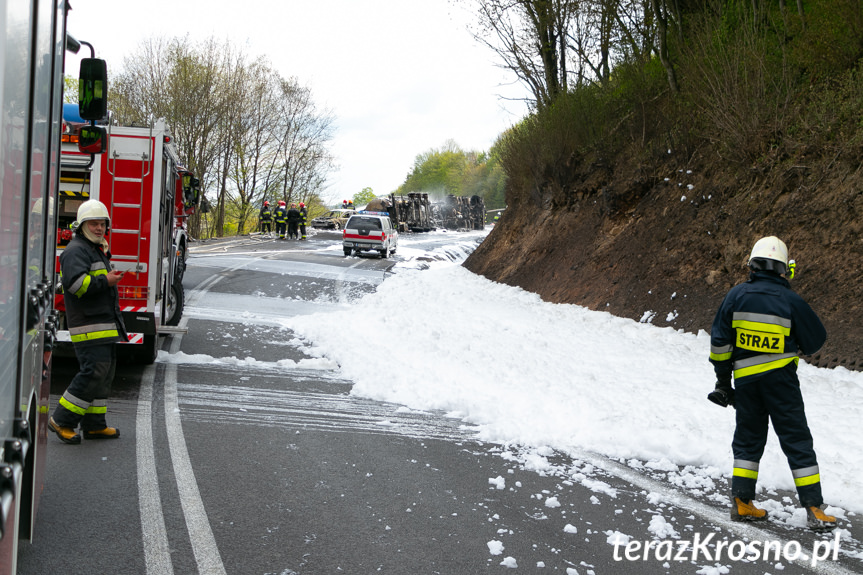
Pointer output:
x,y
385,253
347,252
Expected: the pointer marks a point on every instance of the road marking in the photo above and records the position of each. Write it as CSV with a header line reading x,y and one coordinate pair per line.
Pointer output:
x,y
201,537
157,555
200,534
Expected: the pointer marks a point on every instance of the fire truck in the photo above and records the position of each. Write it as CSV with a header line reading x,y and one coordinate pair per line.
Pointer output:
x,y
33,41
149,196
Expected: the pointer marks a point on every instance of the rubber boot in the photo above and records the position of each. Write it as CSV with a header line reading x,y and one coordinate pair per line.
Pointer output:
x,y
817,520
65,434
746,511
107,433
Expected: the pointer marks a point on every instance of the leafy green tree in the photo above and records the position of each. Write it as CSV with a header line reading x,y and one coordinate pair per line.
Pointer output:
x,y
363,197
70,90
451,170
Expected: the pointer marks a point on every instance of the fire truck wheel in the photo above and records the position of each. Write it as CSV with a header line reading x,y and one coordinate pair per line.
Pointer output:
x,y
181,262
175,303
347,252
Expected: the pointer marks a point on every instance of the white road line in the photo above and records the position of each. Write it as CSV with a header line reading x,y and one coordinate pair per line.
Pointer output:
x,y
157,555
204,546
201,536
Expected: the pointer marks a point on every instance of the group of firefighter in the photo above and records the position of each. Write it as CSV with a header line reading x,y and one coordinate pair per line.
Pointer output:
x,y
290,222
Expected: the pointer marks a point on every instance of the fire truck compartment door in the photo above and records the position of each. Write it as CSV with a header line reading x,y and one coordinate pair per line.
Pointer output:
x,y
130,148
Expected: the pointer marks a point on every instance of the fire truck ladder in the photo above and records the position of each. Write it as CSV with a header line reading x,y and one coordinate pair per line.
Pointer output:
x,y
146,159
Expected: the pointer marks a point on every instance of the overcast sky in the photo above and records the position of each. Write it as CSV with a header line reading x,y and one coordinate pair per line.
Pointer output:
x,y
400,76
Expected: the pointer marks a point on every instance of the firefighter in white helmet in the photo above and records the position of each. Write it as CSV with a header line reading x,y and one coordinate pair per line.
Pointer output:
x,y
95,325
759,330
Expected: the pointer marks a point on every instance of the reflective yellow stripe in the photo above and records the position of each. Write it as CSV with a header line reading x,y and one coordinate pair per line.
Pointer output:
x,y
720,356
748,473
72,407
95,335
764,366
97,409
85,283
809,480
762,327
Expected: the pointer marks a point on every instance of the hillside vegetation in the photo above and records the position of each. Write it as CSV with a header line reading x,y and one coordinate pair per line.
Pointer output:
x,y
631,197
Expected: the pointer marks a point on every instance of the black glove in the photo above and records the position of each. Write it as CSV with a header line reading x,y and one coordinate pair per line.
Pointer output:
x,y
722,395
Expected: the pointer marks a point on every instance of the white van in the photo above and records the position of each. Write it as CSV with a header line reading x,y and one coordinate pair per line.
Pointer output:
x,y
367,231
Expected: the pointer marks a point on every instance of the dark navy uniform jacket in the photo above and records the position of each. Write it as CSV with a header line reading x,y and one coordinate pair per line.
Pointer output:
x,y
92,306
761,327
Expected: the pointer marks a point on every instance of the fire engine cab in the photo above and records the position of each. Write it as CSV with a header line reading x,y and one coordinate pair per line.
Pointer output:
x,y
149,196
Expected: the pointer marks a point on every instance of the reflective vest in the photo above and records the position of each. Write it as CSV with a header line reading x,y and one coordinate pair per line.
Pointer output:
x,y
760,327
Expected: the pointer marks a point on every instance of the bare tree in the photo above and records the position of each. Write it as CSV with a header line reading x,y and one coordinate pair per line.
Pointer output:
x,y
530,38
241,128
305,133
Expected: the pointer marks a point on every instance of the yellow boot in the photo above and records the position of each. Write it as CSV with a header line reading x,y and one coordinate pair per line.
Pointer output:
x,y
107,433
746,511
817,520
65,434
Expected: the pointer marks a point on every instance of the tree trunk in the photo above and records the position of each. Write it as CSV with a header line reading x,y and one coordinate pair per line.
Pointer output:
x,y
662,28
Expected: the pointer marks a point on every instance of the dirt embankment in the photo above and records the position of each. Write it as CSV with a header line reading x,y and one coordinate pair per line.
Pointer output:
x,y
667,245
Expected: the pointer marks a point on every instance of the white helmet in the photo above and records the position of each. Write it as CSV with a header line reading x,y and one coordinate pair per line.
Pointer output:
x,y
766,251
93,210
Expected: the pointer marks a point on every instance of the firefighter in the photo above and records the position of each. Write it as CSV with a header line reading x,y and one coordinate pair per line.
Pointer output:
x,y
293,221
756,336
281,218
304,219
95,325
266,218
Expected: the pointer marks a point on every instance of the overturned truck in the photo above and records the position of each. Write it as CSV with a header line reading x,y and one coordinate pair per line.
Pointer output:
x,y
417,213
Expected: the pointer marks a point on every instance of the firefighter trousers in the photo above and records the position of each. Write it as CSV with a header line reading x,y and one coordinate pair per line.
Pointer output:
x,y
280,229
85,401
776,399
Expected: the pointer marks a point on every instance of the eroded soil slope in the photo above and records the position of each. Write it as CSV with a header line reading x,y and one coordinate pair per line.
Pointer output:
x,y
666,246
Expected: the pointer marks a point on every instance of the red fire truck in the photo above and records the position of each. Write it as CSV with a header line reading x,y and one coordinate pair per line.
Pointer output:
x,y
32,45
149,196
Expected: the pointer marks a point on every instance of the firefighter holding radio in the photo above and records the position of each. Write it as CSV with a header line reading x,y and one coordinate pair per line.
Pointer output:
x,y
95,325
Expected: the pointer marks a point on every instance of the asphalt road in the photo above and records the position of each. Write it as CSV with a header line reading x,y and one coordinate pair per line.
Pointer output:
x,y
230,463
